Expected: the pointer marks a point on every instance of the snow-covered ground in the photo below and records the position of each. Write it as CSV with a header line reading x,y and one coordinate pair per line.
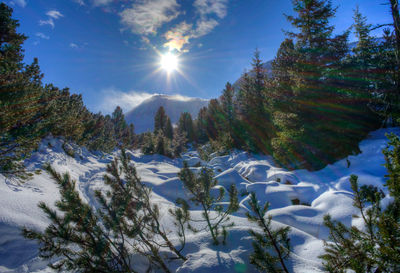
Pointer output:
x,y
319,193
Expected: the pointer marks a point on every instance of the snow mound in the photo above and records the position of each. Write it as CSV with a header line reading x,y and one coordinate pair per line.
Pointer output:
x,y
299,199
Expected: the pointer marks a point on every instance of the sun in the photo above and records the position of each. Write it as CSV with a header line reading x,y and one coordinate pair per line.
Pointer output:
x,y
169,62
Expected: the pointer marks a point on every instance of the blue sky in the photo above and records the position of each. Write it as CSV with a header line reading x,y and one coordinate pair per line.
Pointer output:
x,y
109,50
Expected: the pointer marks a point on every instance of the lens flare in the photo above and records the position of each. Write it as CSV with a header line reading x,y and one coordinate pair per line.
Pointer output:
x,y
169,62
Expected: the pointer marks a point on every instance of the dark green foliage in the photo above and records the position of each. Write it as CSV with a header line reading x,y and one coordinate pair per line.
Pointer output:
x,y
181,220
29,111
275,241
326,109
185,126
162,123
160,120
20,86
253,102
103,240
375,248
123,133
169,131
200,188
160,144
201,126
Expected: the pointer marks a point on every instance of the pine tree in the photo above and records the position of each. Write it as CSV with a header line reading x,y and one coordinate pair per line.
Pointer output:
x,y
104,240
228,111
20,91
185,126
277,240
214,120
199,187
160,147
123,133
160,120
375,248
169,130
324,108
201,126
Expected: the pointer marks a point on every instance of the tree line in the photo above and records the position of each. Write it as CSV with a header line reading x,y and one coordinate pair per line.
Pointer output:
x,y
31,110
319,100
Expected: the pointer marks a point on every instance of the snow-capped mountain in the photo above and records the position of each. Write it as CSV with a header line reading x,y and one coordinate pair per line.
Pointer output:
x,y
142,116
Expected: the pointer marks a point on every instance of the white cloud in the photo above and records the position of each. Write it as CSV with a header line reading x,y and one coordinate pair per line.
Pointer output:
x,y
97,3
42,35
21,3
53,15
146,16
206,7
73,45
204,26
127,101
77,45
80,2
49,22
208,12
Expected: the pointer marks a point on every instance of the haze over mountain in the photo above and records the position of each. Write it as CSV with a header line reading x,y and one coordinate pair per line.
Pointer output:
x,y
142,116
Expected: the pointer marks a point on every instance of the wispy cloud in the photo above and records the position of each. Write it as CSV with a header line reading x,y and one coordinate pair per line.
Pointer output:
x,y
112,98
42,35
80,2
209,12
146,16
98,3
52,16
207,7
21,3
73,45
55,14
178,36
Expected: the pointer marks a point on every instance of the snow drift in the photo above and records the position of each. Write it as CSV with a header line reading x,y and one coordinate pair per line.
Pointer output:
x,y
299,199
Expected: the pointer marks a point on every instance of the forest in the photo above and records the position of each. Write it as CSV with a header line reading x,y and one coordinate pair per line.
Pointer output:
x,y
321,98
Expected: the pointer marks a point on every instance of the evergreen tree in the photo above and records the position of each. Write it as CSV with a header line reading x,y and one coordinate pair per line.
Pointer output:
x,y
375,248
326,110
123,133
270,239
160,147
253,108
199,187
169,130
228,111
160,120
104,240
201,126
214,120
185,126
20,90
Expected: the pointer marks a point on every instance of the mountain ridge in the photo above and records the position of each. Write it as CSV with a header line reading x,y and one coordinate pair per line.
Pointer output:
x,y
142,116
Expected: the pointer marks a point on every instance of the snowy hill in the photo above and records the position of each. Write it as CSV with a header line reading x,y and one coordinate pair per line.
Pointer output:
x,y
142,116
319,193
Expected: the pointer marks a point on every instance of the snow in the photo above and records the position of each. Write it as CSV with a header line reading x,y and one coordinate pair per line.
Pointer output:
x,y
299,199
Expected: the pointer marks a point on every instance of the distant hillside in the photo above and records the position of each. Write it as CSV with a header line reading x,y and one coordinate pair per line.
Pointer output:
x,y
142,116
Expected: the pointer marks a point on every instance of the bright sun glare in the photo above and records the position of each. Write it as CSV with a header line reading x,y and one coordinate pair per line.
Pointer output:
x,y
169,62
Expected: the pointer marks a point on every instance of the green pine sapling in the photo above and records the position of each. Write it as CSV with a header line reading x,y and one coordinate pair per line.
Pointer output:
x,y
104,240
277,240
375,247
200,188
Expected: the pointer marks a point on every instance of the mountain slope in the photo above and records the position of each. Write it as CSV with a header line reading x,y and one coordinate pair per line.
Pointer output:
x,y
321,192
142,116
